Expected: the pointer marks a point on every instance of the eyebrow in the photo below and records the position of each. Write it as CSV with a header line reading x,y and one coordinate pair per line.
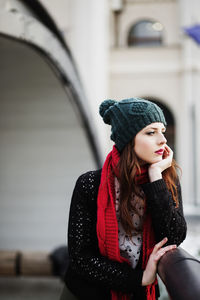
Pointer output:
x,y
155,128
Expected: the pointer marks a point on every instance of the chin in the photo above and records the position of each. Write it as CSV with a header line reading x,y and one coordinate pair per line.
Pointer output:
x,y
154,160
158,159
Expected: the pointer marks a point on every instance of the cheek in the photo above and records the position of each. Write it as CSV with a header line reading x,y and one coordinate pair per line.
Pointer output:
x,y
142,146
144,150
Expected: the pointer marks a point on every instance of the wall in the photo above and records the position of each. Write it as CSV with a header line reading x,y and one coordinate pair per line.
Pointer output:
x,y
43,150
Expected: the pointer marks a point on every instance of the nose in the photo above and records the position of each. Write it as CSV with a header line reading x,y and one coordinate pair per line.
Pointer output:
x,y
162,139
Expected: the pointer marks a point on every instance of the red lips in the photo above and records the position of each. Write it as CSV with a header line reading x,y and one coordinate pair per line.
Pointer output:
x,y
160,151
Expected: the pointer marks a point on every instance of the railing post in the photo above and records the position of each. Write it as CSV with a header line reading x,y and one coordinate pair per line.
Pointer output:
x,y
180,272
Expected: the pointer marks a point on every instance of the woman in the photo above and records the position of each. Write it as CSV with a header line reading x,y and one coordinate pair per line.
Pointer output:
x,y
124,217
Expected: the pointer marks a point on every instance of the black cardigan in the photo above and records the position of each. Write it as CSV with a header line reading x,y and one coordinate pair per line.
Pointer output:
x,y
91,275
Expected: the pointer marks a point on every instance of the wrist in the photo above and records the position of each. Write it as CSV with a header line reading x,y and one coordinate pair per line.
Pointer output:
x,y
148,277
154,174
144,278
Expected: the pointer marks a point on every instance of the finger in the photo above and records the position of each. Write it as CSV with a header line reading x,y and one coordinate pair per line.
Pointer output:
x,y
168,153
159,245
169,150
158,255
170,247
162,251
168,147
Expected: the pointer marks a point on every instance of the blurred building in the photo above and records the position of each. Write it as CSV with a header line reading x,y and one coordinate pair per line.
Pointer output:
x,y
150,56
59,60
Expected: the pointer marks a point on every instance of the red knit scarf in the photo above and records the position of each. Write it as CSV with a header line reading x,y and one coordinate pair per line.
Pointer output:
x,y
107,226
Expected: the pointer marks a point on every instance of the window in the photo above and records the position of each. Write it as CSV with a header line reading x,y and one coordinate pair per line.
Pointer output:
x,y
146,33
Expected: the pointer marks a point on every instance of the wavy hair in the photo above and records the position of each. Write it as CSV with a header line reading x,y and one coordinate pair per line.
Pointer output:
x,y
129,165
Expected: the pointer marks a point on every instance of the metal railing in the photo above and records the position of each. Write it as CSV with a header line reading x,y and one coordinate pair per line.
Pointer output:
x,y
180,272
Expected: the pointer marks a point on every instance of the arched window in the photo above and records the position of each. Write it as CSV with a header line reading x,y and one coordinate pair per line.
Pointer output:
x,y
146,33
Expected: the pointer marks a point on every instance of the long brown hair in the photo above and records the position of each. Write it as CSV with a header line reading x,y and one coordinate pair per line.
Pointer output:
x,y
129,165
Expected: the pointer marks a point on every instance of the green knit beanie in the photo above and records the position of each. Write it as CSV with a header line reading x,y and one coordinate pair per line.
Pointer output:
x,y
127,117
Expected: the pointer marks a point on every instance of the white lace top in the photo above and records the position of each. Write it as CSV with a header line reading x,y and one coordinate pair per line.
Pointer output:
x,y
130,247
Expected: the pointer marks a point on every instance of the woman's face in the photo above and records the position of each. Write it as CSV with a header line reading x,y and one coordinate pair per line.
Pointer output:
x,y
150,143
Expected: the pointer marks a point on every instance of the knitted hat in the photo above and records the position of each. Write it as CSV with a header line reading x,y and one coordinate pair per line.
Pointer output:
x,y
127,117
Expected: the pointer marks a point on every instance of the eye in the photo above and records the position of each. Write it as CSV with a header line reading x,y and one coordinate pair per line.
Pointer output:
x,y
150,133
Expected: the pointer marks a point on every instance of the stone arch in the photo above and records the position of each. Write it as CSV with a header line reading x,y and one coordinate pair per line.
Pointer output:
x,y
47,134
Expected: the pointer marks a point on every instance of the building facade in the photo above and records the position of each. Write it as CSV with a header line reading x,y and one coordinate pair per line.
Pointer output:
x,y
126,48
150,56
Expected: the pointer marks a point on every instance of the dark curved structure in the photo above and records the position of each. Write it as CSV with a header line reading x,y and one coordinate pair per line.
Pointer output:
x,y
48,136
41,14
65,75
180,272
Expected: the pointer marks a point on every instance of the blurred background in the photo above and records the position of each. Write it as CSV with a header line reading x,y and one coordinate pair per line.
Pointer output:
x,y
58,61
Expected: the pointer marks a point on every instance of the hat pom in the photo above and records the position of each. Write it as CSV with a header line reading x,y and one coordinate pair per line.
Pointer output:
x,y
104,109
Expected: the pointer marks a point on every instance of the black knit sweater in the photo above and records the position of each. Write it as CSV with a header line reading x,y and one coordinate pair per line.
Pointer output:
x,y
91,275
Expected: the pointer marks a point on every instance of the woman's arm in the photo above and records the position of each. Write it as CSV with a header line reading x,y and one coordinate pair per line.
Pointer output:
x,y
85,258
168,221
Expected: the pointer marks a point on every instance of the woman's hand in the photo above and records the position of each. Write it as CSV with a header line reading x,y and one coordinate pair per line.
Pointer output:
x,y
155,170
149,274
